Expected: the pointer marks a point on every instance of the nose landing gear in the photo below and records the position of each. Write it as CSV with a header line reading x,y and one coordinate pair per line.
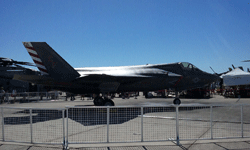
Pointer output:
x,y
177,101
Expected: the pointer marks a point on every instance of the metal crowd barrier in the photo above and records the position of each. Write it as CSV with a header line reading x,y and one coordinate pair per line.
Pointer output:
x,y
81,125
32,125
29,96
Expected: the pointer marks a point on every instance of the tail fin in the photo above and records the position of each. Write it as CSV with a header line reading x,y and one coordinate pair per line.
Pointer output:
x,y
49,62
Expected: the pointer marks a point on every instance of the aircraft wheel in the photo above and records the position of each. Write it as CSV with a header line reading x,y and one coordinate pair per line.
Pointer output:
x,y
109,103
177,101
98,101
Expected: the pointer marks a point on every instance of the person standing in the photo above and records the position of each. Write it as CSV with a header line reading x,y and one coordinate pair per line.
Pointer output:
x,y
14,95
2,94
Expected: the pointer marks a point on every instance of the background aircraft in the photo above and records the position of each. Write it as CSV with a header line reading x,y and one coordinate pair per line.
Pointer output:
x,y
10,67
248,70
57,73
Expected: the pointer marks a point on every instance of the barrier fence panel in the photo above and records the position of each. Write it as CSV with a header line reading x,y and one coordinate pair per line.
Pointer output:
x,y
86,125
16,125
194,122
246,121
32,96
159,123
79,125
227,121
32,125
48,126
125,124
26,97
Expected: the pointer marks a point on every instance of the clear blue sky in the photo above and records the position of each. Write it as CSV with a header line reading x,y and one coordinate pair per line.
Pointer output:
x,y
94,33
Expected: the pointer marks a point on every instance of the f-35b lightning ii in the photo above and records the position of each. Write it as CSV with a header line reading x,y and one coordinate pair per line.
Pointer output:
x,y
57,73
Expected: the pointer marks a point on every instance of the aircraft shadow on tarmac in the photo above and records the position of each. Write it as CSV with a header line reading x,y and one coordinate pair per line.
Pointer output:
x,y
89,116
93,116
37,116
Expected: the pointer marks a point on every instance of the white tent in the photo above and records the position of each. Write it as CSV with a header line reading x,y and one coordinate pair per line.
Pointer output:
x,y
236,77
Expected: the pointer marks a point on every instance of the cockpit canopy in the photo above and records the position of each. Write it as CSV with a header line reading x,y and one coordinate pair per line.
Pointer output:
x,y
189,65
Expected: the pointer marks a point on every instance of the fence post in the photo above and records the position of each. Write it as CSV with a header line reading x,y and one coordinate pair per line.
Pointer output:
x,y
211,121
31,130
67,128
242,134
177,125
63,122
108,110
2,124
141,124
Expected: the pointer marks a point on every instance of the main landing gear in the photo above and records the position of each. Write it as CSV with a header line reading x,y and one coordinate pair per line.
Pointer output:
x,y
99,101
177,101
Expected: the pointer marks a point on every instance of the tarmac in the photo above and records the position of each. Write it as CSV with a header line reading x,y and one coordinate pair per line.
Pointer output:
x,y
223,144
216,144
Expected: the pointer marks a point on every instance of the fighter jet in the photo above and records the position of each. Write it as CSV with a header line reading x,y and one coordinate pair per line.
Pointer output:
x,y
57,73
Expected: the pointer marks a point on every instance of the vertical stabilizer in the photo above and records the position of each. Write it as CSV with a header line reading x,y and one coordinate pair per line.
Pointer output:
x,y
49,62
